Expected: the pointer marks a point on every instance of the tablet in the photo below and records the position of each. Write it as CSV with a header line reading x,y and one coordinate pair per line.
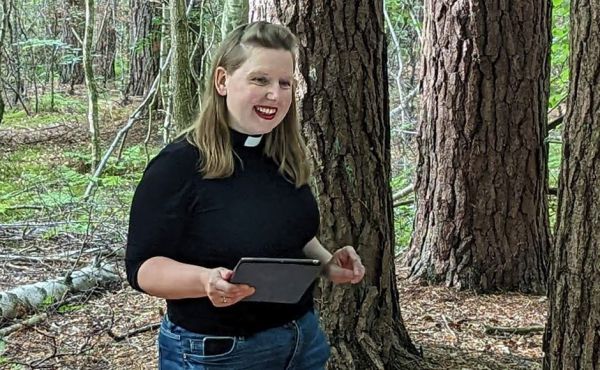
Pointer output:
x,y
276,280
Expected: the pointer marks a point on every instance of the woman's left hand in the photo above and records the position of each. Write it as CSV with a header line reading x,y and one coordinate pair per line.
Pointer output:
x,y
345,266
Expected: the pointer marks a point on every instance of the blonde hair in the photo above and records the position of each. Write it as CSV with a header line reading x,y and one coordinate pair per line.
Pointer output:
x,y
210,132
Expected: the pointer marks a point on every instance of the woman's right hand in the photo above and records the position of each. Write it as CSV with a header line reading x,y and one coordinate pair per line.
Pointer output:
x,y
221,292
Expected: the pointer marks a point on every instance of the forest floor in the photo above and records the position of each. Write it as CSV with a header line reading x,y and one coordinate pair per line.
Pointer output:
x,y
86,332
447,326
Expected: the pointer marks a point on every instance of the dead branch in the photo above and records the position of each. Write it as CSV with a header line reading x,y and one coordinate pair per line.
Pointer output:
x,y
403,192
133,333
493,330
29,322
554,123
16,257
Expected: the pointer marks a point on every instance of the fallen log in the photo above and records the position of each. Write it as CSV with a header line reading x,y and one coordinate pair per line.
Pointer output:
x,y
19,301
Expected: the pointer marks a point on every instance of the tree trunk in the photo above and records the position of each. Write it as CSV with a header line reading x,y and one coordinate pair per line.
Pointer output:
x,y
572,339
344,111
3,26
180,73
107,43
73,28
235,13
90,82
14,31
145,47
481,219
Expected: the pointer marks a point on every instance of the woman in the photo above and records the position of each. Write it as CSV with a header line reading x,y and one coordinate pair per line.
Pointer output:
x,y
235,186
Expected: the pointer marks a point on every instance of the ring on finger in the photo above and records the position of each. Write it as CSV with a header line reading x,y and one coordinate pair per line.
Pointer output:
x,y
223,299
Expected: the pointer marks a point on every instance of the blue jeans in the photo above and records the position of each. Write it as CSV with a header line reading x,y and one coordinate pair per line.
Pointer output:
x,y
297,345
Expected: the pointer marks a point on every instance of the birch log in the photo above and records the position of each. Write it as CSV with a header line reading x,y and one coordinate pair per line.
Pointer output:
x,y
26,298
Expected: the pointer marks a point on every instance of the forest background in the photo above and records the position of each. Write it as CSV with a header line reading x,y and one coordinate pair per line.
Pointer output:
x,y
72,152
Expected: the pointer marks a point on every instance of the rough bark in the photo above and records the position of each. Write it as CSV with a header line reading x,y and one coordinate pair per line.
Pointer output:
x,y
145,46
14,64
90,83
572,339
180,74
344,111
481,219
72,32
21,300
106,48
3,26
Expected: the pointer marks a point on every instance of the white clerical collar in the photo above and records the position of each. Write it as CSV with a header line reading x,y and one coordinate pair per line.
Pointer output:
x,y
252,141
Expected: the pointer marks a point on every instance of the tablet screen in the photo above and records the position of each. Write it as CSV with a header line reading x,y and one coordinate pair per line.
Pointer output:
x,y
276,280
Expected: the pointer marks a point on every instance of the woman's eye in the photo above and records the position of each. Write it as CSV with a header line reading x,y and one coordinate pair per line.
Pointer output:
x,y
260,80
285,84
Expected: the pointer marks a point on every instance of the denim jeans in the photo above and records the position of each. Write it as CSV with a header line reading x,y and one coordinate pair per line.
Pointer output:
x,y
297,345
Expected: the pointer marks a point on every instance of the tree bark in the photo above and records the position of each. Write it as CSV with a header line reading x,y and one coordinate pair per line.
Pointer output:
x,y
3,26
72,31
90,82
145,48
572,338
107,43
345,114
481,218
19,301
235,13
180,74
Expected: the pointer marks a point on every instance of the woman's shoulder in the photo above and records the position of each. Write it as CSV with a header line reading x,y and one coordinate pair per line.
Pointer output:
x,y
180,150
179,157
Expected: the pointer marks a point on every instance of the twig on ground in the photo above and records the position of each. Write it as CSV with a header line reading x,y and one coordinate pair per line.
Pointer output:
x,y
135,332
516,330
29,322
450,330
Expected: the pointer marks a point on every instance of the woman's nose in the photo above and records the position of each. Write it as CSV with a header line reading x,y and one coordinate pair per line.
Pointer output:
x,y
273,93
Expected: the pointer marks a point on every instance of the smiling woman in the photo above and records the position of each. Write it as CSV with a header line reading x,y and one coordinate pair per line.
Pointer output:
x,y
234,185
259,93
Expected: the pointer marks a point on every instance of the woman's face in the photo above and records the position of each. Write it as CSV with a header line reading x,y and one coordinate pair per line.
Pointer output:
x,y
259,93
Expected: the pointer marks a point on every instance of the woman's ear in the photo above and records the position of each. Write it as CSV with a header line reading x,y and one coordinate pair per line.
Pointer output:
x,y
221,81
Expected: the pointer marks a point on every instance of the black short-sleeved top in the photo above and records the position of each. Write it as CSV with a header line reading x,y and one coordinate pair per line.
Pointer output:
x,y
256,212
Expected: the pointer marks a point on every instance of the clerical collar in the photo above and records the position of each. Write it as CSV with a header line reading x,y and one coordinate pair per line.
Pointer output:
x,y
244,140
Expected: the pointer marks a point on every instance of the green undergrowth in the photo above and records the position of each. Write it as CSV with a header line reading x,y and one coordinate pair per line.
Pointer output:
x,y
66,109
554,160
404,213
43,185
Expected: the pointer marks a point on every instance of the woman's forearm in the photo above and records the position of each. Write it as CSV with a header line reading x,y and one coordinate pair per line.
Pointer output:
x,y
166,278
314,249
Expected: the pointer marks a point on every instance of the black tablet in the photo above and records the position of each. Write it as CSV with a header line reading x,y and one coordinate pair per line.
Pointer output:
x,y
276,280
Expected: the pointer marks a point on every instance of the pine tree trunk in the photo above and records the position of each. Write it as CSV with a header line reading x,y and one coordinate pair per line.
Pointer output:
x,y
107,43
344,110
481,219
90,82
145,47
3,26
73,23
180,73
572,339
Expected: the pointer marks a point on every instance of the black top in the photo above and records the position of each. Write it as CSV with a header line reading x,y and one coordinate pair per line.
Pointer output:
x,y
255,212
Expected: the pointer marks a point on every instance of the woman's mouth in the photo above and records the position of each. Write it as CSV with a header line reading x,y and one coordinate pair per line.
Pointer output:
x,y
267,113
